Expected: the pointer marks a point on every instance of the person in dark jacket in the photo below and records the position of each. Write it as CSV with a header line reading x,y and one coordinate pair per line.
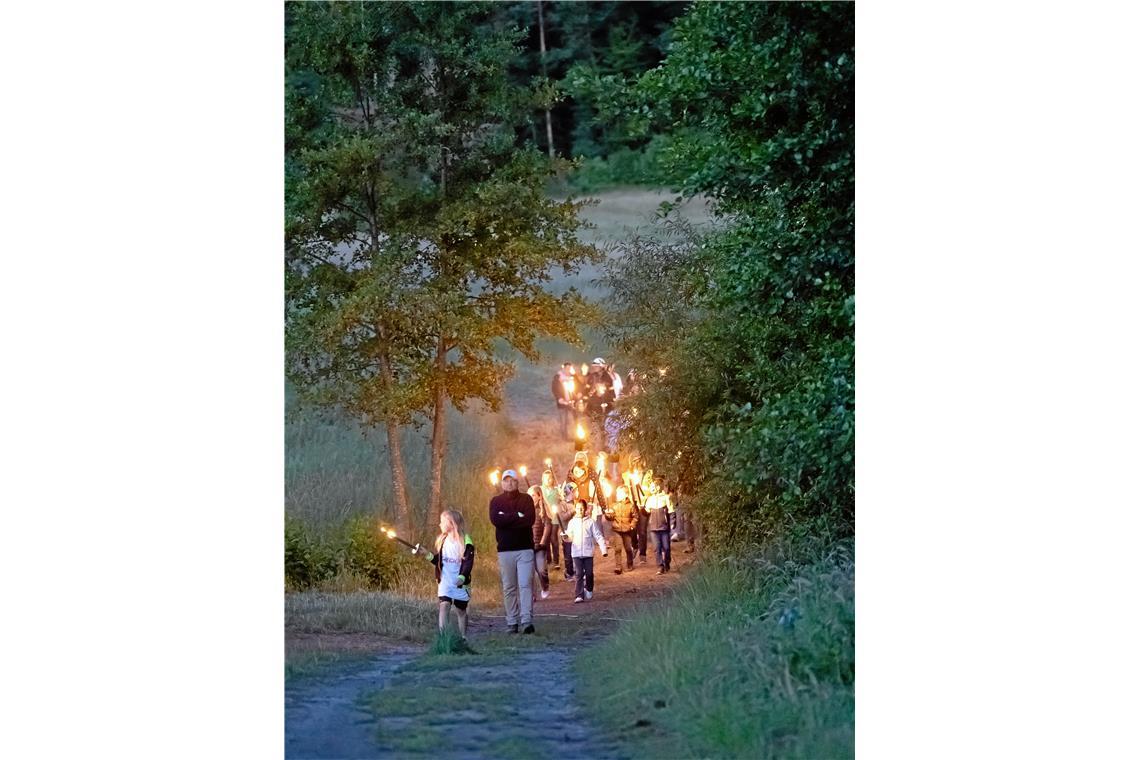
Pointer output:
x,y
662,522
512,514
564,386
542,532
623,516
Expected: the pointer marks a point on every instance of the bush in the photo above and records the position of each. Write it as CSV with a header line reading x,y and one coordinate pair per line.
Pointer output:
x,y
369,555
308,561
622,167
355,557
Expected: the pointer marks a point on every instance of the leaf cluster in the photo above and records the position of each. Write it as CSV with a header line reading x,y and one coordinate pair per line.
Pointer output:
x,y
755,320
417,232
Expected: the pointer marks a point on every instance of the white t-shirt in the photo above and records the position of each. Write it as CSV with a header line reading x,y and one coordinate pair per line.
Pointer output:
x,y
451,555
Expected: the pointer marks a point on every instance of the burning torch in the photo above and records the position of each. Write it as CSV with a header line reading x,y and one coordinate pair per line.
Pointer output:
x,y
493,478
416,548
580,442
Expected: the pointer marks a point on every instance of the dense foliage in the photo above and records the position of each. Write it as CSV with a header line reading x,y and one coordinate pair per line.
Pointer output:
x,y
746,334
354,550
418,230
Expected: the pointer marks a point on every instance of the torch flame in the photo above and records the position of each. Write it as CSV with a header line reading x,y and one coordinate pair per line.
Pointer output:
x,y
548,462
494,477
522,470
607,489
568,386
581,432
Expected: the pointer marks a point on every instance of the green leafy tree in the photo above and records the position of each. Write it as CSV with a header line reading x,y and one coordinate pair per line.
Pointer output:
x,y
758,99
417,233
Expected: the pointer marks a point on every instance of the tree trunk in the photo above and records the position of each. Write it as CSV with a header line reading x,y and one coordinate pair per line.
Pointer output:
x,y
438,434
542,60
396,462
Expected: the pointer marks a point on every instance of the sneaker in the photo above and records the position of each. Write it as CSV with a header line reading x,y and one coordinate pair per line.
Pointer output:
x,y
660,571
513,628
578,599
545,594
643,559
529,628
589,594
569,577
555,566
617,571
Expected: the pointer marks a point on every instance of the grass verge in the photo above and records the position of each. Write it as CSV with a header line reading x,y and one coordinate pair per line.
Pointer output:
x,y
373,612
750,660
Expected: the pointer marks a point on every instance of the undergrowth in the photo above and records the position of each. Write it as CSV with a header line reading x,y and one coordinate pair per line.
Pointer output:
x,y
752,659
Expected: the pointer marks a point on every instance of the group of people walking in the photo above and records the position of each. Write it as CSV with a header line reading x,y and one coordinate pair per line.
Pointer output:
x,y
586,392
562,525
555,526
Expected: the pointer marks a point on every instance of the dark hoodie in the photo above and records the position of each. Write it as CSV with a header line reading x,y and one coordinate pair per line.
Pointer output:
x,y
512,533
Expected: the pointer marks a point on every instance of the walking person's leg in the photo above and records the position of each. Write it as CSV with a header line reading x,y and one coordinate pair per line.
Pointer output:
x,y
569,566
525,564
668,550
643,535
588,569
579,577
444,609
627,544
540,569
508,576
461,614
659,547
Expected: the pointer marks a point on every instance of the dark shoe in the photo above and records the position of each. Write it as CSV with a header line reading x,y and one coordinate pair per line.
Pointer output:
x,y
512,629
529,628
660,571
617,571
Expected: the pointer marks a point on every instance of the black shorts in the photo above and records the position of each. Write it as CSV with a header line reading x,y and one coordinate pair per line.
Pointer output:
x,y
460,604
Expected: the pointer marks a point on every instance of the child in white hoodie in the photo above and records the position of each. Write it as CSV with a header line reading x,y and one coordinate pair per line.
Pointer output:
x,y
582,533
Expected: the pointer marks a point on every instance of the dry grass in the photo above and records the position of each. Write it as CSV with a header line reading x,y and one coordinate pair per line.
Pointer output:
x,y
372,612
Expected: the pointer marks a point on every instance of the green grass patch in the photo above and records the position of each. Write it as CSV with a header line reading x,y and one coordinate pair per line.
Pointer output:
x,y
751,660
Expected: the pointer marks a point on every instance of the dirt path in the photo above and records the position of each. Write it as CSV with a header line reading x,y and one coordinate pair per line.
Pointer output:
x,y
516,696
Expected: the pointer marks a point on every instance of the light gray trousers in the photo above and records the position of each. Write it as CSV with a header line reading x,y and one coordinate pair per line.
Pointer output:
x,y
516,570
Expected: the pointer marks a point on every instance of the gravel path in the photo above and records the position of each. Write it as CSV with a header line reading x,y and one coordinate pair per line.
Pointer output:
x,y
323,718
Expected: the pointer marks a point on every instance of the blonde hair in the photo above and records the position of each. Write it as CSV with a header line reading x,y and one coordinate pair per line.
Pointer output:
x,y
458,529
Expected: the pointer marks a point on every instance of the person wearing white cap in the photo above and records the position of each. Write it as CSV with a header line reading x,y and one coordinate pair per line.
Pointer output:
x,y
512,514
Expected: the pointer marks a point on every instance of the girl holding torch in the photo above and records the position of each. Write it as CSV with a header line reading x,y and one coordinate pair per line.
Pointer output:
x,y
454,559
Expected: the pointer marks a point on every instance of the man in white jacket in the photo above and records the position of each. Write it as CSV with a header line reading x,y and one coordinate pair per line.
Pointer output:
x,y
583,533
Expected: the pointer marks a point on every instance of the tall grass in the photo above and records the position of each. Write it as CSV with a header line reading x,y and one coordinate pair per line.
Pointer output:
x,y
750,660
336,470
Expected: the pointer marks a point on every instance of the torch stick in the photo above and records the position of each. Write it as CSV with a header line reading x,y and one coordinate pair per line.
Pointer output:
x,y
416,548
